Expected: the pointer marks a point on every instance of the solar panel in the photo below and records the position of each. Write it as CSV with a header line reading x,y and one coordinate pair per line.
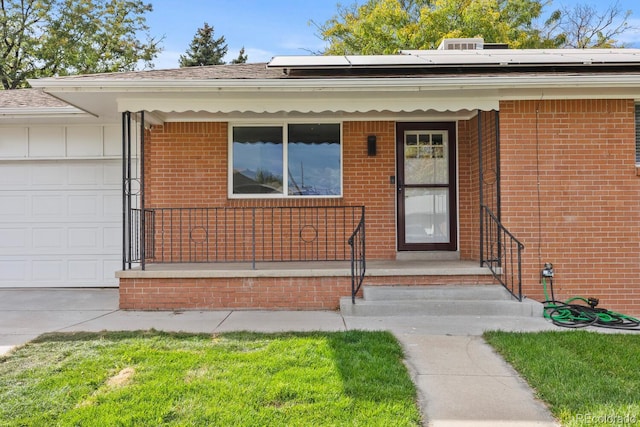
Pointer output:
x,y
300,61
473,57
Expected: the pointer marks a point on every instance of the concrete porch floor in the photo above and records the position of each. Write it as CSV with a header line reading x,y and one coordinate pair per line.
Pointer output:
x,y
375,268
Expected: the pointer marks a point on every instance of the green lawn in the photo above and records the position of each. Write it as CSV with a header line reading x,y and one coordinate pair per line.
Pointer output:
x,y
586,378
153,378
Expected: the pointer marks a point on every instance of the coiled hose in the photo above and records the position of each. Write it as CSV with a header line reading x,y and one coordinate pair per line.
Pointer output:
x,y
569,314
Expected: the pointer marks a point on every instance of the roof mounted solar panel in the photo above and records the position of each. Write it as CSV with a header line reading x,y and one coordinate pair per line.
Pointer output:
x,y
308,61
385,60
464,58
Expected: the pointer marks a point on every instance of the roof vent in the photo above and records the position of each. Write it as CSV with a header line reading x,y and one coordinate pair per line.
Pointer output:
x,y
462,44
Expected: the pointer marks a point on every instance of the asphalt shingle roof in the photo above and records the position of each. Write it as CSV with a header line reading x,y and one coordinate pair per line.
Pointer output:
x,y
230,71
28,98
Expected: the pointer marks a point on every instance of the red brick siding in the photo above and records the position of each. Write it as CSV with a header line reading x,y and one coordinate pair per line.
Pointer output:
x,y
468,179
586,219
186,166
284,293
301,293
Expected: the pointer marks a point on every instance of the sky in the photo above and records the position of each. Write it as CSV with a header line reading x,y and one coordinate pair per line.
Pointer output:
x,y
268,28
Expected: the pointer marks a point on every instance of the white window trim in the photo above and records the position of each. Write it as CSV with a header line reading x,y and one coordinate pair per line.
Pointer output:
x,y
285,181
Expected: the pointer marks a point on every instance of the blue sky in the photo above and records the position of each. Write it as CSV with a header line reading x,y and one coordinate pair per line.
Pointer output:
x,y
268,28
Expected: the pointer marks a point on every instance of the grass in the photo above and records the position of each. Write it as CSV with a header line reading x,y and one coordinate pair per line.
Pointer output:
x,y
586,378
154,378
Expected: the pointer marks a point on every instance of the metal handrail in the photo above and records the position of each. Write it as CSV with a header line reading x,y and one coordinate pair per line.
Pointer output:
x,y
358,258
501,252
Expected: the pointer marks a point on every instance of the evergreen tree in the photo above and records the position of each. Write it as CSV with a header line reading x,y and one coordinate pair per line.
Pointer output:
x,y
242,57
204,49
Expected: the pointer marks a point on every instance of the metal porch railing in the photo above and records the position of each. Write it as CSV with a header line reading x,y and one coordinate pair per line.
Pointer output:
x,y
501,252
244,234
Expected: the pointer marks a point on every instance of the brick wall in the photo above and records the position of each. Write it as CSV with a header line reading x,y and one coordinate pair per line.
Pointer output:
x,y
267,293
186,166
571,194
468,179
318,293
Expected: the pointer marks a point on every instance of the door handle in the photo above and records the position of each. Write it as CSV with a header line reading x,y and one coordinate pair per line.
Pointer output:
x,y
399,186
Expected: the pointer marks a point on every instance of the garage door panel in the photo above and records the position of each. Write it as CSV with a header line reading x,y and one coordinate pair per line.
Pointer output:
x,y
48,238
112,239
83,269
47,175
83,205
12,175
62,234
112,175
12,238
14,270
12,206
50,271
48,206
84,238
47,270
83,175
112,205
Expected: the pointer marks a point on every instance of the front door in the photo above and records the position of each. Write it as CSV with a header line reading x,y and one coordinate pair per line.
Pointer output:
x,y
426,186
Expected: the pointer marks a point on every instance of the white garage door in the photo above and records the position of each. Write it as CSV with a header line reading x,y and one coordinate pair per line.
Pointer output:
x,y
60,222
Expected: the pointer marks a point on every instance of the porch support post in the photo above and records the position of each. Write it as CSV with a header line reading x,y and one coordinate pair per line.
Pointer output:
x,y
126,197
481,189
142,211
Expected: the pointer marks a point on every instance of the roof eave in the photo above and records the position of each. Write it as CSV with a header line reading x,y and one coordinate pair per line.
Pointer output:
x,y
52,85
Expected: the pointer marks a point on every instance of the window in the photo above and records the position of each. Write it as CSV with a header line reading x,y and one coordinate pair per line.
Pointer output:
x,y
294,160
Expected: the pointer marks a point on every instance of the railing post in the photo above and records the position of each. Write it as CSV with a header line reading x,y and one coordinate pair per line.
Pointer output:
x,y
520,247
353,271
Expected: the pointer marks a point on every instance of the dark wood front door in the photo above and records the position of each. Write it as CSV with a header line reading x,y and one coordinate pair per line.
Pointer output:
x,y
426,186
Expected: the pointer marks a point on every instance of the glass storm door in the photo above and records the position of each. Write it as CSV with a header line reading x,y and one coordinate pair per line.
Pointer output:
x,y
426,179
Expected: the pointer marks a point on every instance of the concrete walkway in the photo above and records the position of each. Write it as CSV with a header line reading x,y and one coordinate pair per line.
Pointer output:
x,y
460,380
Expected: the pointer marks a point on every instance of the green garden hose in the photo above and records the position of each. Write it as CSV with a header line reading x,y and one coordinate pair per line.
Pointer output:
x,y
568,314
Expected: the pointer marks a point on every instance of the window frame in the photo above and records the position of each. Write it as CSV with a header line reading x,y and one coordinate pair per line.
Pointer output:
x,y
285,159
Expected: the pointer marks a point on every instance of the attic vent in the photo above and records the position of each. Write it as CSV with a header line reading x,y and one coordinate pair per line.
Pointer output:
x,y
461,44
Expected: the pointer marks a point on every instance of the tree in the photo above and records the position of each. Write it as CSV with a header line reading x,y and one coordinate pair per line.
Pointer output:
x,y
242,57
41,38
586,27
204,49
387,26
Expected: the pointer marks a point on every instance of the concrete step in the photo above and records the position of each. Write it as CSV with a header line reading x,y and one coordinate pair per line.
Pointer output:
x,y
451,292
479,300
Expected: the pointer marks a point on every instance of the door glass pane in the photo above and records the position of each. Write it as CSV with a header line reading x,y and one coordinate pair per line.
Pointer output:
x,y
257,160
426,215
426,158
